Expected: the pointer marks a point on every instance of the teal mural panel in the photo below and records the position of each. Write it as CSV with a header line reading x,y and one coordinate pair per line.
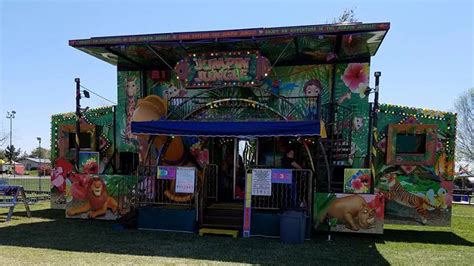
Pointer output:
x,y
416,193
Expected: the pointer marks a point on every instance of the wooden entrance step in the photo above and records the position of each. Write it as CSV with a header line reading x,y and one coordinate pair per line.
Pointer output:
x,y
216,231
226,215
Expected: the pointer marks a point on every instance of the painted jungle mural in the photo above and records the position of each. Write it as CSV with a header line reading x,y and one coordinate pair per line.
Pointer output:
x,y
97,133
414,164
351,82
88,195
104,197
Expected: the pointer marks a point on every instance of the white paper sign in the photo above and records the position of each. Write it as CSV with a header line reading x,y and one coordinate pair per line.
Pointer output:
x,y
185,179
262,182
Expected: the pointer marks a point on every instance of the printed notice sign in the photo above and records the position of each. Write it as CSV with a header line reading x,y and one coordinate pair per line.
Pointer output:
x,y
185,179
166,172
281,176
261,182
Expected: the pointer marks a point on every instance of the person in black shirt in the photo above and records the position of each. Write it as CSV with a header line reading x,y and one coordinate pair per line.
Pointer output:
x,y
288,162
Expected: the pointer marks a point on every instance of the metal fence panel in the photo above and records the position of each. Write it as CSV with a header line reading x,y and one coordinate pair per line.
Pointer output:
x,y
36,188
297,195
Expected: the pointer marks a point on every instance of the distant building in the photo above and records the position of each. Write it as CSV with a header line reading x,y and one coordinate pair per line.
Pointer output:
x,y
34,163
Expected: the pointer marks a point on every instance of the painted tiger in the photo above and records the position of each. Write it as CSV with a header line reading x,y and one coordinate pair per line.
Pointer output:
x,y
397,193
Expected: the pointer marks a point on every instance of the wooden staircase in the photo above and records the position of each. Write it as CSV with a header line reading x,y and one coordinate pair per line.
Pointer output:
x,y
223,216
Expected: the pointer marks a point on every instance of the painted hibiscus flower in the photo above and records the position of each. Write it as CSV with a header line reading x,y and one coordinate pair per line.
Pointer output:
x,y
378,205
79,186
357,184
365,179
91,167
356,78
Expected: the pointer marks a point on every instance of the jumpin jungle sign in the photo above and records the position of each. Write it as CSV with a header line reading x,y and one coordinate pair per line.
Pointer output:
x,y
223,69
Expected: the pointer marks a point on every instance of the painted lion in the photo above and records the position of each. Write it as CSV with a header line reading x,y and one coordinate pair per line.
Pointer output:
x,y
98,200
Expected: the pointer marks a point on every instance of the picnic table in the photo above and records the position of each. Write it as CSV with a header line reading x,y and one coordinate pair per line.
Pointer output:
x,y
9,199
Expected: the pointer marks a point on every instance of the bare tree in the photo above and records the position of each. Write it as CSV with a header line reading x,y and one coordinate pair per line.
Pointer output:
x,y
3,138
348,15
465,126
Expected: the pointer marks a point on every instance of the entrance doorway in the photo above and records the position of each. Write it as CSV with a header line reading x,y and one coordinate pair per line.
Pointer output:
x,y
233,155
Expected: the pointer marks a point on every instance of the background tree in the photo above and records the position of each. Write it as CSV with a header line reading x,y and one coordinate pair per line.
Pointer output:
x,y
348,15
465,126
12,153
2,154
43,153
3,138
23,155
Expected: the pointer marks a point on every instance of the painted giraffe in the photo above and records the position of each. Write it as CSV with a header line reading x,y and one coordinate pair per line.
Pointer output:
x,y
130,89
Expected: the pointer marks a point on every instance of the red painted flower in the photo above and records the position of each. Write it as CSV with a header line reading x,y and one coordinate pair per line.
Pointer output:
x,y
91,167
357,184
354,76
365,179
79,185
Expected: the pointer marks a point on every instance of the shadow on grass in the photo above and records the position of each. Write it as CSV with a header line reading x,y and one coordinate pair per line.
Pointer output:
x,y
43,214
426,237
98,237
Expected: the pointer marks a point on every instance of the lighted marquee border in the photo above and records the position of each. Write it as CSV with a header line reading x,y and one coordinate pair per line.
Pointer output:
x,y
261,64
69,118
434,115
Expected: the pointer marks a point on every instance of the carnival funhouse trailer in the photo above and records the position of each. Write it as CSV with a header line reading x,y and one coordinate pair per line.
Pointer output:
x,y
251,130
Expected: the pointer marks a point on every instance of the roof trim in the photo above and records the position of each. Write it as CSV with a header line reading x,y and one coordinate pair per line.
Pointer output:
x,y
226,34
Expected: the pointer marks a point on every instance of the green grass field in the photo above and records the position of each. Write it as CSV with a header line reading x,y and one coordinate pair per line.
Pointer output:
x,y
50,238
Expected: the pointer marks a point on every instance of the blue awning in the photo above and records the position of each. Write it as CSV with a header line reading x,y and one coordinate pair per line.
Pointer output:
x,y
228,128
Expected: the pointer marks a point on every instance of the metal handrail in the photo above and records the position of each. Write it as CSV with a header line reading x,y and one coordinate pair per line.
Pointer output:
x,y
178,103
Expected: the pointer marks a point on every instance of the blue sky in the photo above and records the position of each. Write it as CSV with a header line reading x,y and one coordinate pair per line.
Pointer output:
x,y
426,59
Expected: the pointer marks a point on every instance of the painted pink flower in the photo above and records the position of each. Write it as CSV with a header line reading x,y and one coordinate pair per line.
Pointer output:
x,y
59,174
439,145
354,76
58,178
357,184
378,204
